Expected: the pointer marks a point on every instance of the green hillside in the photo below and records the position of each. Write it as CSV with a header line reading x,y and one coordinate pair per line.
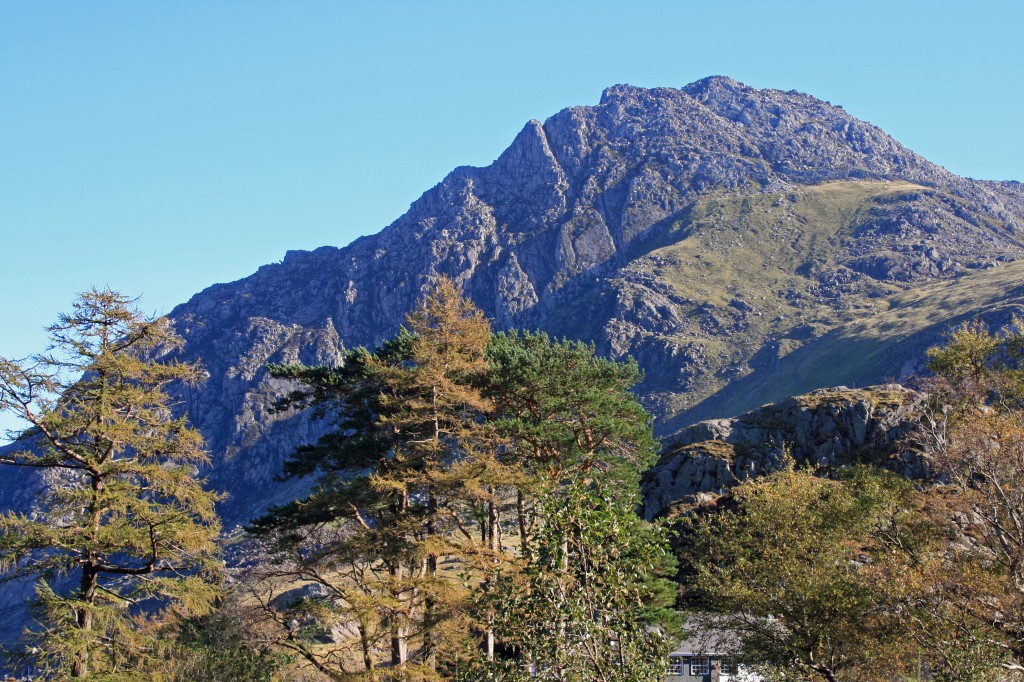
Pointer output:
x,y
778,296
880,345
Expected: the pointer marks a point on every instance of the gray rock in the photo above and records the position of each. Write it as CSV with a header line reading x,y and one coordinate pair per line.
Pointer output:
x,y
826,428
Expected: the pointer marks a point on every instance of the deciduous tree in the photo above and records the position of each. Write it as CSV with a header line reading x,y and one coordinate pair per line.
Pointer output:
x,y
977,429
125,513
793,568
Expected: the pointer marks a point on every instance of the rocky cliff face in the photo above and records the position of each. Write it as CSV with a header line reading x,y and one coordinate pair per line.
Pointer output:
x,y
826,428
711,231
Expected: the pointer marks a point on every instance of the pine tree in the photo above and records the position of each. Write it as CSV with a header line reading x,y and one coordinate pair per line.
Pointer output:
x,y
352,539
583,600
125,513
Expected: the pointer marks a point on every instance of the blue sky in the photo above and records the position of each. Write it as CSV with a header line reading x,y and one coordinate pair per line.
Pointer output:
x,y
159,147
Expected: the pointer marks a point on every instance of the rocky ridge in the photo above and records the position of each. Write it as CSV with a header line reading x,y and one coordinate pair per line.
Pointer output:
x,y
825,429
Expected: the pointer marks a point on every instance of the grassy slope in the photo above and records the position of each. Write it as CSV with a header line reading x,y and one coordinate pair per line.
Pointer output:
x,y
750,269
762,253
866,350
876,348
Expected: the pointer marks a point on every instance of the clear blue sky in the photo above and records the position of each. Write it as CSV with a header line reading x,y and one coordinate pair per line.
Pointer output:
x,y
159,147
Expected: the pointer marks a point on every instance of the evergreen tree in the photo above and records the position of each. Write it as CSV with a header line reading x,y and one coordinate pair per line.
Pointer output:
x,y
588,598
399,479
125,513
354,539
442,435
564,409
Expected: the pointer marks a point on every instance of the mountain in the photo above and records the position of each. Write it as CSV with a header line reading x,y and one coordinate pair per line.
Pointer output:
x,y
737,242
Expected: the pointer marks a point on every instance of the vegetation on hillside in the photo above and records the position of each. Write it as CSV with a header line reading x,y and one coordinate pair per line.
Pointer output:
x,y
472,516
763,293
857,575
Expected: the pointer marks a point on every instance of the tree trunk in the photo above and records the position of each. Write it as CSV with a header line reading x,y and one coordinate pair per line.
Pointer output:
x,y
364,645
399,644
90,581
492,520
521,518
399,629
83,617
492,544
429,606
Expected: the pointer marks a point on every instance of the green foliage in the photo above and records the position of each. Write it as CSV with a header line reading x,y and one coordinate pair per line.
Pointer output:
x,y
584,599
977,365
866,577
564,409
792,572
214,648
447,437
125,514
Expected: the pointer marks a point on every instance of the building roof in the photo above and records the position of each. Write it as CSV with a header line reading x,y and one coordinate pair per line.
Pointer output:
x,y
703,639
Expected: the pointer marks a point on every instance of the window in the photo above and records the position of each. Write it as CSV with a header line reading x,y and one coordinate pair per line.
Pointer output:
x,y
729,666
700,666
675,665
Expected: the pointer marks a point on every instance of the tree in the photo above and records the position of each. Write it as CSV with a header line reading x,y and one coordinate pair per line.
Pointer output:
x,y
587,596
443,436
220,646
431,403
976,430
124,511
399,481
586,599
560,409
352,540
796,569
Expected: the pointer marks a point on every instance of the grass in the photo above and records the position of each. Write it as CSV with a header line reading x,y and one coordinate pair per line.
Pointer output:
x,y
864,348
761,283
746,268
874,348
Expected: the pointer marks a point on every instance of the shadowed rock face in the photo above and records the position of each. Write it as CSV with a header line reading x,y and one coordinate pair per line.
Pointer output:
x,y
687,227
826,428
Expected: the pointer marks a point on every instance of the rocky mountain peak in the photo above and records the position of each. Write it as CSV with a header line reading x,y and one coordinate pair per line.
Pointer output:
x,y
712,84
710,231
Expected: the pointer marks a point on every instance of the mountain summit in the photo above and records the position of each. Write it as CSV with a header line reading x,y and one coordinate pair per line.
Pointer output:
x,y
738,242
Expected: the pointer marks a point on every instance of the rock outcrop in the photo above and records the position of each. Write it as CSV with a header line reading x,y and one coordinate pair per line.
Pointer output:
x,y
826,428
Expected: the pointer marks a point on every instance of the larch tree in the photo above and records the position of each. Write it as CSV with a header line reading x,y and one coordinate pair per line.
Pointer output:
x,y
397,485
125,515
431,403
